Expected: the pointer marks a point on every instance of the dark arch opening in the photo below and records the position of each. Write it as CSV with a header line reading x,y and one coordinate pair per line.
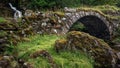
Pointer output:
x,y
94,26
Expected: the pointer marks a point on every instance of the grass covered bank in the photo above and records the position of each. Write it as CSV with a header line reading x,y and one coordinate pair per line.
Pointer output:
x,y
65,59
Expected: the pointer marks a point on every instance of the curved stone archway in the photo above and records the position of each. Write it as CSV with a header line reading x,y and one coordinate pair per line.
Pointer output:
x,y
100,27
61,22
95,26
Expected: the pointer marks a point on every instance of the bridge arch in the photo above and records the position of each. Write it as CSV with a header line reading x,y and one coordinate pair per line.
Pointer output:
x,y
97,24
94,26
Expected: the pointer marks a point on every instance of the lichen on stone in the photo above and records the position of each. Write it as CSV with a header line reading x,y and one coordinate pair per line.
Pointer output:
x,y
101,52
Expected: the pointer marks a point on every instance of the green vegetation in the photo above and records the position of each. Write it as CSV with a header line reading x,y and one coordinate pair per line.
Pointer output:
x,y
3,33
101,9
107,7
64,59
118,3
117,38
2,20
71,3
78,26
36,4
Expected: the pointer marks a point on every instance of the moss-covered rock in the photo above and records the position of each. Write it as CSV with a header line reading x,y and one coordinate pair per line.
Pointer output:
x,y
12,32
60,45
46,55
11,62
101,52
8,62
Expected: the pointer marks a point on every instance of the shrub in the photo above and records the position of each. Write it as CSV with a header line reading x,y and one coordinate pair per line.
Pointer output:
x,y
78,27
59,3
2,19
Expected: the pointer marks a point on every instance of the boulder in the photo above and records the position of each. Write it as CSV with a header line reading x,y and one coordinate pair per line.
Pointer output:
x,y
60,45
103,55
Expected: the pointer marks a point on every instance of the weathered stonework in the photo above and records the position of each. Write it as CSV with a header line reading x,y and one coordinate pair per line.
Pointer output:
x,y
61,22
74,16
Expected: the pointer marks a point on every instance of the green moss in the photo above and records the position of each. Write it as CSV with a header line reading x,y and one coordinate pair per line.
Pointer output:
x,y
95,47
3,33
61,14
101,8
107,7
62,41
2,20
78,27
65,59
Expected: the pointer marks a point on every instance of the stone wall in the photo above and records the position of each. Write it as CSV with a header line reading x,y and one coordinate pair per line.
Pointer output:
x,y
12,32
115,20
60,22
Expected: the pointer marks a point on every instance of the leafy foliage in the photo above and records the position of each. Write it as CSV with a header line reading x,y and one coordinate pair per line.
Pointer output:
x,y
59,3
2,19
99,2
70,3
42,3
78,26
118,3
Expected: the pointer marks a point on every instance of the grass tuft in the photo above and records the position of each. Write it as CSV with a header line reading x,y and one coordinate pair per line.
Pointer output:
x,y
64,59
2,20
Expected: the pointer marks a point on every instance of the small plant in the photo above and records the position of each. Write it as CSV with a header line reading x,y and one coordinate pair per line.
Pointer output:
x,y
65,59
2,20
78,26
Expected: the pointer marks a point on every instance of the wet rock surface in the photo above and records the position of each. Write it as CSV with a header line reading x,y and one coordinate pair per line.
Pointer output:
x,y
102,53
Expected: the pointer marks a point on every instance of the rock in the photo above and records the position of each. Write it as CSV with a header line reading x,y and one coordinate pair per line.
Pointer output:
x,y
27,65
8,62
116,47
3,63
118,63
3,33
66,9
3,41
26,39
101,52
60,14
30,14
118,54
24,64
60,45
54,31
45,54
3,48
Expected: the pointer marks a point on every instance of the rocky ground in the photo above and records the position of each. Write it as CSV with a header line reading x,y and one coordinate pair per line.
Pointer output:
x,y
103,54
12,32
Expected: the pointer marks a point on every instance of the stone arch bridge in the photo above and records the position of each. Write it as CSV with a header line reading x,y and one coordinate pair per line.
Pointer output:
x,y
96,22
